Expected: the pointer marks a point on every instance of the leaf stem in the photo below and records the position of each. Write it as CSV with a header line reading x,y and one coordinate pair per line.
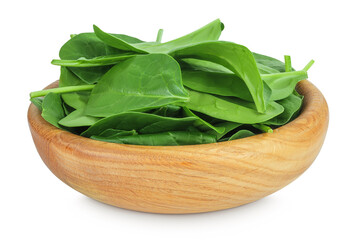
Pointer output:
x,y
308,66
288,67
159,35
263,128
62,90
271,76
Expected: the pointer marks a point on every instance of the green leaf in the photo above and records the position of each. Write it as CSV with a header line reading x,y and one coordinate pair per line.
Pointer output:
x,y
38,101
141,122
201,123
52,109
202,65
230,109
283,84
291,105
116,132
210,31
269,62
243,133
75,100
78,118
228,127
171,138
223,84
88,46
235,57
67,108
265,69
168,111
116,42
140,83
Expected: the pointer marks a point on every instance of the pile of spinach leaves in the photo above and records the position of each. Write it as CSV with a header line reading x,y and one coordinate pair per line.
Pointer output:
x,y
191,90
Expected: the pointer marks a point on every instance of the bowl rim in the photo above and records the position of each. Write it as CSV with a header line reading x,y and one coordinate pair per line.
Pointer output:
x,y
313,102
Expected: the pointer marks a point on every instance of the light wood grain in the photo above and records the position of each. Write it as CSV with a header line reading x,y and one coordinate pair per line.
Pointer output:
x,y
185,179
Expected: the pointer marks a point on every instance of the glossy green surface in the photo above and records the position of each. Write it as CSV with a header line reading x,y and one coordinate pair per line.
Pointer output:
x,y
192,90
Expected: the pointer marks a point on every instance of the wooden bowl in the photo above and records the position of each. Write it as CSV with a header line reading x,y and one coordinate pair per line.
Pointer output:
x,y
185,179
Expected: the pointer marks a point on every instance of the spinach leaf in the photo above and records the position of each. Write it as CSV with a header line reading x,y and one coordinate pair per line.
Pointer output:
x,y
52,109
88,46
168,111
263,69
201,123
210,31
171,138
230,109
191,90
283,84
141,122
140,83
75,100
202,65
223,84
116,132
78,118
37,102
291,105
243,133
269,62
235,57
228,127
67,108
115,41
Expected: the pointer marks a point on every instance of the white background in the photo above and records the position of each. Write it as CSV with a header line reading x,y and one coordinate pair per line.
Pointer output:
x,y
322,204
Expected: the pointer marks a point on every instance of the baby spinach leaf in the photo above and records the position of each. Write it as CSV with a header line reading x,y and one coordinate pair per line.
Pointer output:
x,y
243,133
230,109
141,122
78,118
269,62
88,46
75,100
68,78
171,138
202,65
67,108
291,105
223,84
168,111
37,102
52,109
116,42
210,31
202,124
117,88
235,57
263,69
283,84
228,127
142,82
116,132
